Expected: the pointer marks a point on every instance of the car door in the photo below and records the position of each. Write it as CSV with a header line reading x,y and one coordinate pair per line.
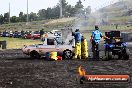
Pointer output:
x,y
59,49
46,48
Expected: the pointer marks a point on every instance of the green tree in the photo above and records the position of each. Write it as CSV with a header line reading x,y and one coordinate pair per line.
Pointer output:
x,y
79,7
24,19
14,19
49,13
1,19
55,12
64,6
6,17
21,17
42,14
70,11
33,16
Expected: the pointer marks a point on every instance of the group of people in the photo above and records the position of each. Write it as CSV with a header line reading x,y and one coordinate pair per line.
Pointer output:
x,y
96,36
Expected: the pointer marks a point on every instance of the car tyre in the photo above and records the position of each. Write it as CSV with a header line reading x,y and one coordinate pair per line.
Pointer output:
x,y
108,56
67,54
126,55
34,55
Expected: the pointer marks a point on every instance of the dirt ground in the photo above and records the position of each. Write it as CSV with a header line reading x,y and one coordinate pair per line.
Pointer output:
x,y
18,71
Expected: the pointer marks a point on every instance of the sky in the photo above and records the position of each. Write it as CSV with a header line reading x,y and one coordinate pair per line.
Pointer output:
x,y
17,6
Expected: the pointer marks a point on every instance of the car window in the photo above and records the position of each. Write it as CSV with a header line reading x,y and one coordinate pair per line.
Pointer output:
x,y
50,42
36,32
58,40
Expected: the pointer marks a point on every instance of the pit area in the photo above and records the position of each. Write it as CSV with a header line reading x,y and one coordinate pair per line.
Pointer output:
x,y
19,71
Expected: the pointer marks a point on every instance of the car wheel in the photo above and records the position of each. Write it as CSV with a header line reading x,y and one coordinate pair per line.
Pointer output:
x,y
67,54
34,55
108,56
120,56
126,55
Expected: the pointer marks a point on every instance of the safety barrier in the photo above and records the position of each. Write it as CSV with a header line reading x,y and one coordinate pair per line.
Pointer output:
x,y
78,50
3,44
53,55
84,49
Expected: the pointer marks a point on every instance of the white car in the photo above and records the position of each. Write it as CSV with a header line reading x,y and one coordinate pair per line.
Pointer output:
x,y
54,41
38,50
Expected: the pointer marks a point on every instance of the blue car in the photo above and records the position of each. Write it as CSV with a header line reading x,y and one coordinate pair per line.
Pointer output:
x,y
17,34
5,34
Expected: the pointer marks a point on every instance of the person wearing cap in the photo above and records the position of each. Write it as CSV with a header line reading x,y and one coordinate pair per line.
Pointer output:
x,y
78,38
95,38
96,35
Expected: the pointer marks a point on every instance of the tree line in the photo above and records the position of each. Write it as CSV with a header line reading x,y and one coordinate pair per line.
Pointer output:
x,y
49,13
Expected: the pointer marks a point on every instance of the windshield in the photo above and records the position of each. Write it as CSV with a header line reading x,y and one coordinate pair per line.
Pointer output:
x,y
59,40
36,32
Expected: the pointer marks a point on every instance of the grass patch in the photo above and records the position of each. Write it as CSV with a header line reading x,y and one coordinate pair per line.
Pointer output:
x,y
18,43
108,27
123,18
38,25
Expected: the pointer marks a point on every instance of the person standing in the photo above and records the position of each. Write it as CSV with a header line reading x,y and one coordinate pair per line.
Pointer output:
x,y
78,37
41,33
95,40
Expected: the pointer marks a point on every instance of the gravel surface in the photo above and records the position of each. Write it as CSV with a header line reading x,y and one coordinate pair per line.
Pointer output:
x,y
19,71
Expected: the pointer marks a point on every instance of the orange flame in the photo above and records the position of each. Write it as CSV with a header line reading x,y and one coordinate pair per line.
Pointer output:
x,y
82,71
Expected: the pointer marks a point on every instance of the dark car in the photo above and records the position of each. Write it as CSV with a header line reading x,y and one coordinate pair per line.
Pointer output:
x,y
5,34
17,34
